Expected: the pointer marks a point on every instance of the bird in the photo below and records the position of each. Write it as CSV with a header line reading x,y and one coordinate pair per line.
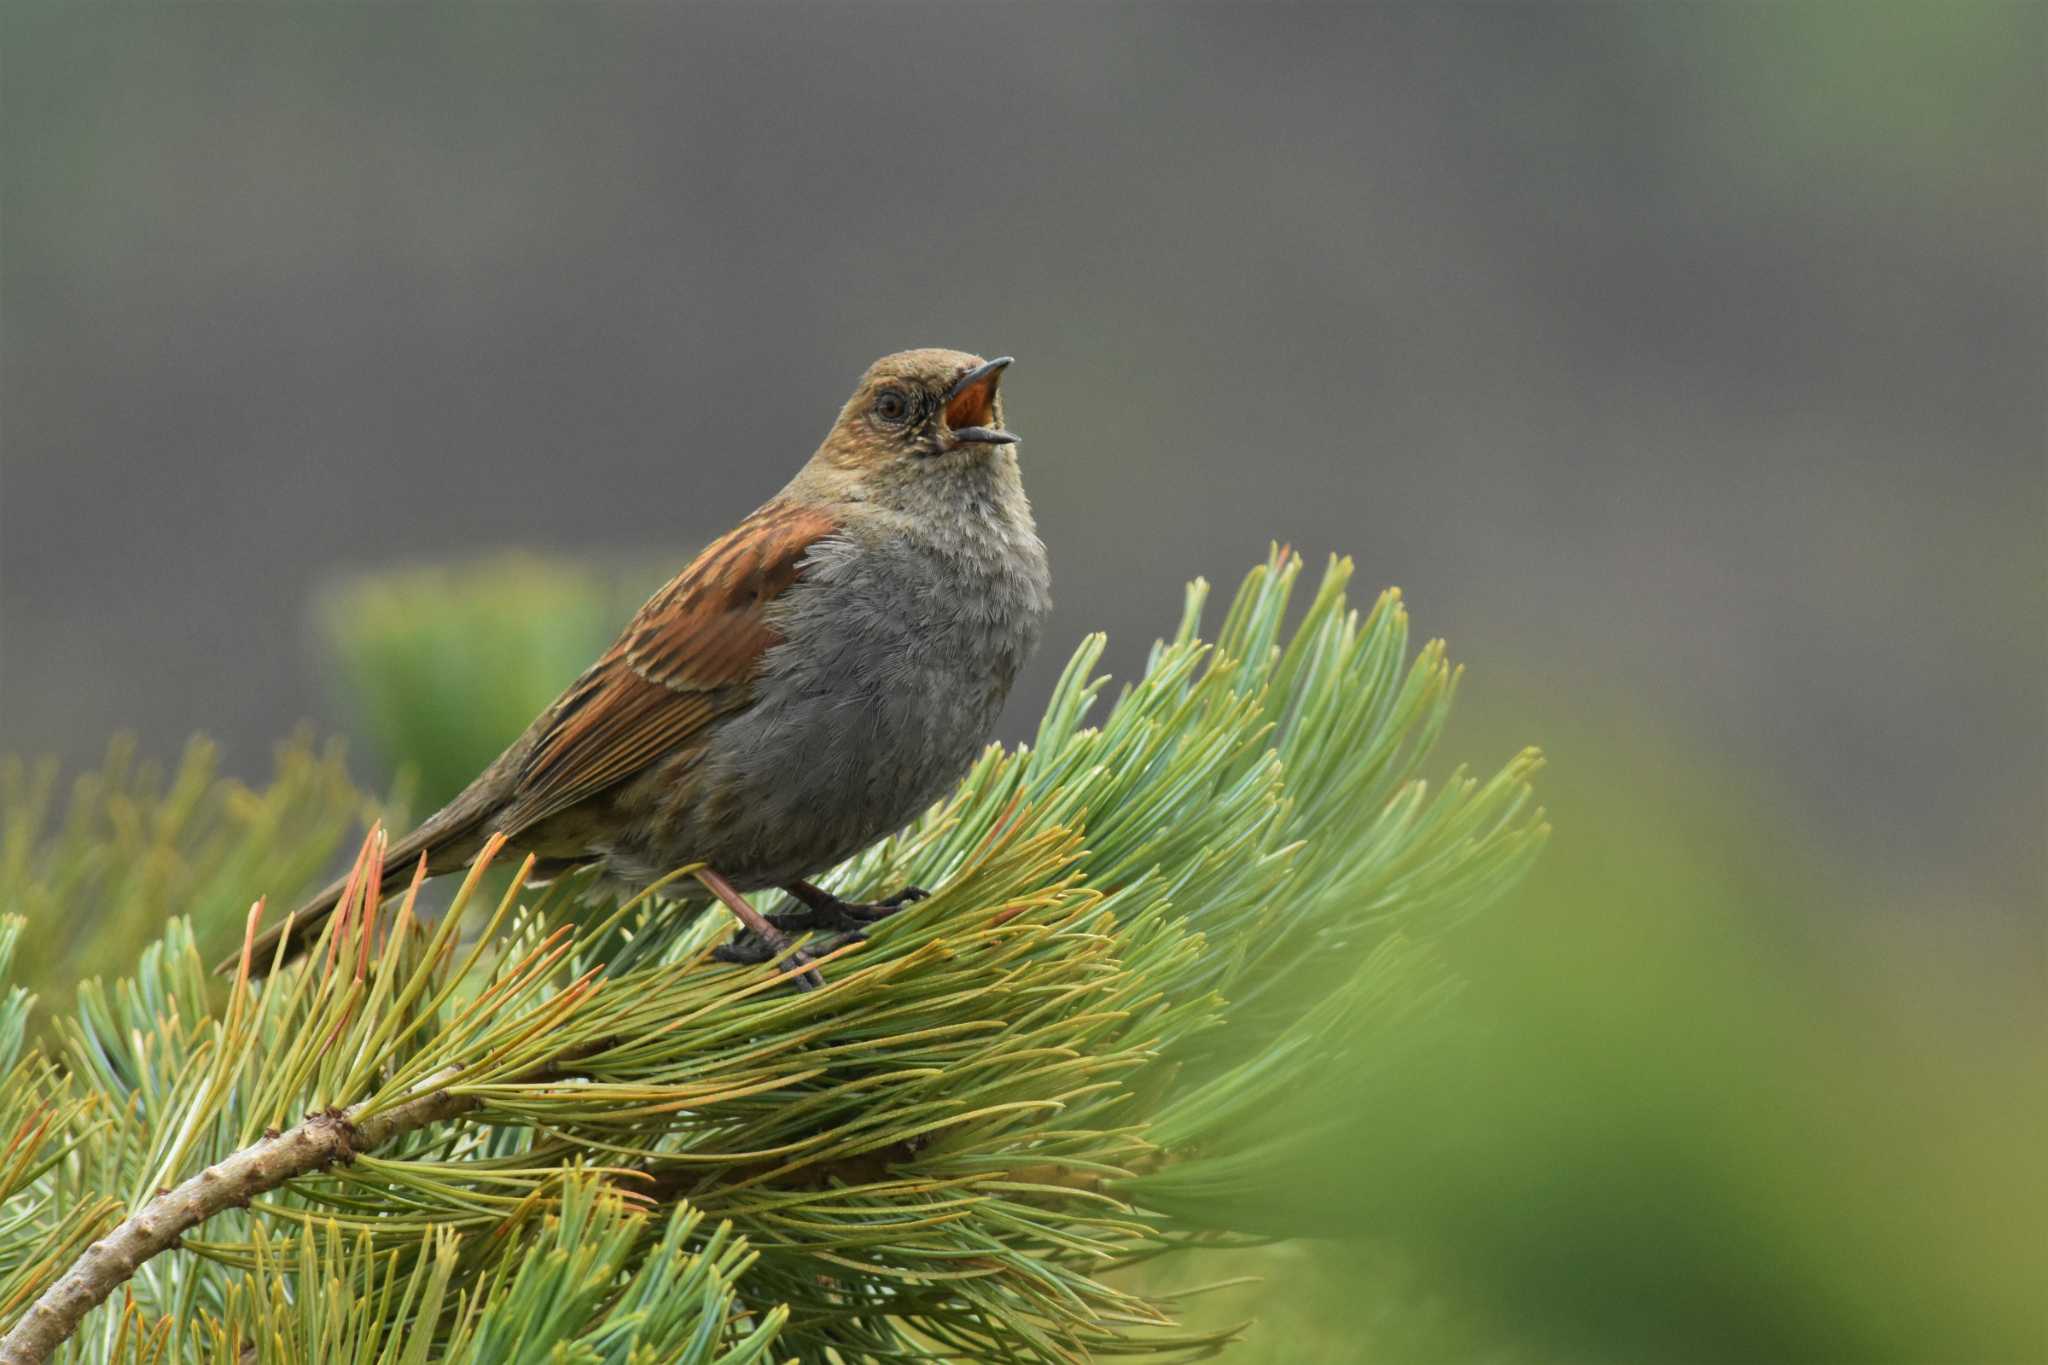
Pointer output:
x,y
808,684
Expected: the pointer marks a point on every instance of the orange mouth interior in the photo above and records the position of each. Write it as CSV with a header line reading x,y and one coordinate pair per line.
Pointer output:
x,y
973,406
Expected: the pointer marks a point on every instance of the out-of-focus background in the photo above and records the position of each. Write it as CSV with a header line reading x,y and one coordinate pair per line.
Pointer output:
x,y
1683,363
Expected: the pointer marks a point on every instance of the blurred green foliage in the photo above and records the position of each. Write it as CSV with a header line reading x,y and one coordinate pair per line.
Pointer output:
x,y
1683,1120
1706,1122
1826,89
444,665
99,864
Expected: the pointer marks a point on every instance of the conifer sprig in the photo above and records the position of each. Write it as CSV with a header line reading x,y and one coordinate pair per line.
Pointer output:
x,y
573,1135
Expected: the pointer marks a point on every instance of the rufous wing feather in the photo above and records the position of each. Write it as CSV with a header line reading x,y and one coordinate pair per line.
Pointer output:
x,y
687,657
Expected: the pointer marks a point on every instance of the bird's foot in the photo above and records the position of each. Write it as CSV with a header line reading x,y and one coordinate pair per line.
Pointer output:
x,y
823,910
762,941
764,938
751,949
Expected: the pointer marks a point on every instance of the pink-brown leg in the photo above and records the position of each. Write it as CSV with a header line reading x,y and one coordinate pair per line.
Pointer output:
x,y
805,977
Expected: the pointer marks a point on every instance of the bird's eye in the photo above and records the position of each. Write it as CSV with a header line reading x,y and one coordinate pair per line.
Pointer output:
x,y
891,405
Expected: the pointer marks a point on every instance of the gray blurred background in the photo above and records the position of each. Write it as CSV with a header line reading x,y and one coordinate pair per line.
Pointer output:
x,y
1683,363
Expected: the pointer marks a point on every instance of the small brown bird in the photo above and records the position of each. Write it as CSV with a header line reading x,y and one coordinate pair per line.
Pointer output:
x,y
811,681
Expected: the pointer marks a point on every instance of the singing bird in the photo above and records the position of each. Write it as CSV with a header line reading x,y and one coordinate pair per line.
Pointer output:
x,y
817,676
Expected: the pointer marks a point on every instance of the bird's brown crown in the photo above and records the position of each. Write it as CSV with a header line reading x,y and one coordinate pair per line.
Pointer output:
x,y
920,405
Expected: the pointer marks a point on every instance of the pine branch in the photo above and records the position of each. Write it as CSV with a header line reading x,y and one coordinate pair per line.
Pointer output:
x,y
323,1140
337,1137
1106,1034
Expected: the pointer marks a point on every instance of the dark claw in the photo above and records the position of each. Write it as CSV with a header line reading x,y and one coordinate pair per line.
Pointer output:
x,y
801,974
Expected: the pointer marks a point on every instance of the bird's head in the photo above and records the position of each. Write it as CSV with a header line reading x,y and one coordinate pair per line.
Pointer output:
x,y
917,412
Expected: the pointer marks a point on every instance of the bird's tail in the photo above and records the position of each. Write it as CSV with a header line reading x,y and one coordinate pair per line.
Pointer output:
x,y
447,845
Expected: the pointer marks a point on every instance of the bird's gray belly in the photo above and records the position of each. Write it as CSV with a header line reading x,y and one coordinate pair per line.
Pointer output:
x,y
807,780
875,704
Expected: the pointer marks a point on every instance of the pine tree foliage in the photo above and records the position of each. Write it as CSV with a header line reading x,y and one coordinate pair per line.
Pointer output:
x,y
568,1134
136,844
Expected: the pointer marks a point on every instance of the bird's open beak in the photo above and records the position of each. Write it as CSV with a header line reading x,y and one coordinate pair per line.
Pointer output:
x,y
970,407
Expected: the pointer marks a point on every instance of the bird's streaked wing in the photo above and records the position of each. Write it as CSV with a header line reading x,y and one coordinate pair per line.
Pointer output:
x,y
688,656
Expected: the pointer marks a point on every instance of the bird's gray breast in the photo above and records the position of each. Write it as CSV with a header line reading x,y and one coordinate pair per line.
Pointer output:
x,y
895,659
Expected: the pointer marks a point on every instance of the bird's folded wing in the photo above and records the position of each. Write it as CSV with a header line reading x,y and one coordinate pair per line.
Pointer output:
x,y
687,657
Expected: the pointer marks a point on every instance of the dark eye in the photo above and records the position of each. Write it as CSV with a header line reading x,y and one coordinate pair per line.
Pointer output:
x,y
891,405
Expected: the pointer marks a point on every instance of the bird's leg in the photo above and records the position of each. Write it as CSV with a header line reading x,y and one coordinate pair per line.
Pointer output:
x,y
823,910
767,943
